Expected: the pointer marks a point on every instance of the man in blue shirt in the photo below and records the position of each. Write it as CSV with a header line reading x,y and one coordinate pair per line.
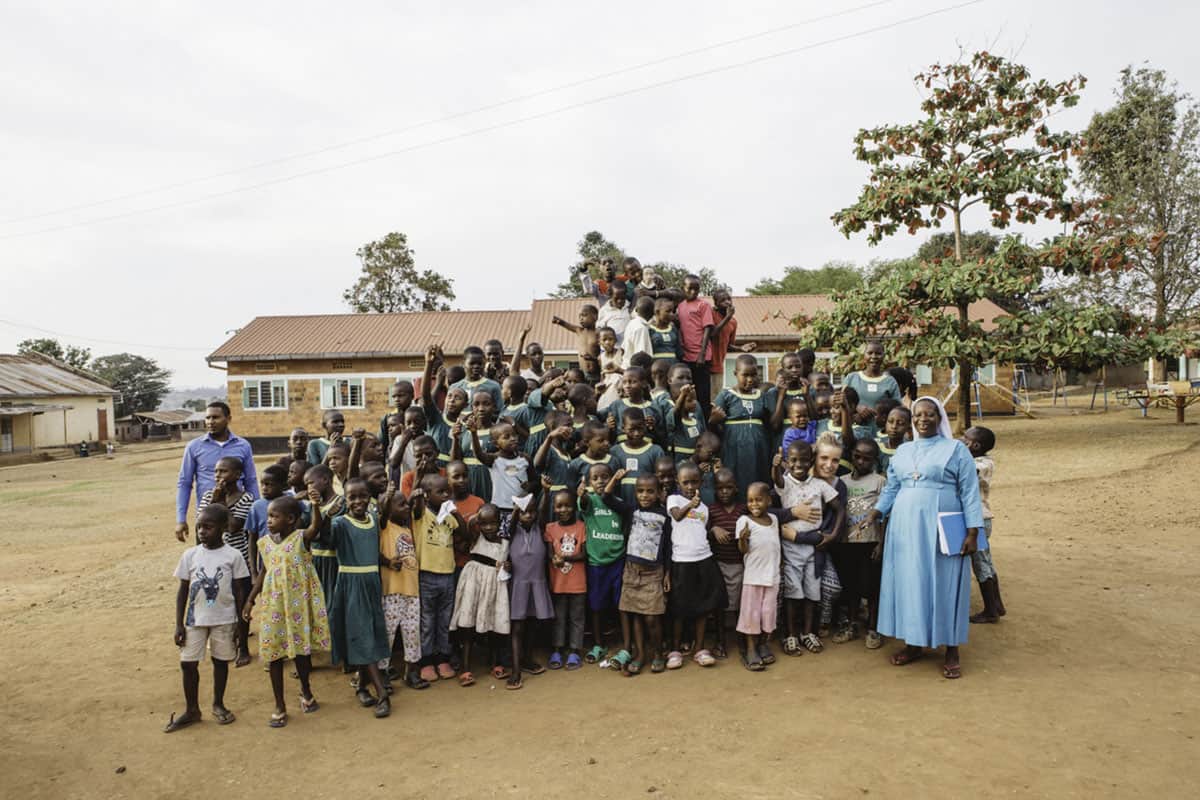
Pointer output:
x,y
200,458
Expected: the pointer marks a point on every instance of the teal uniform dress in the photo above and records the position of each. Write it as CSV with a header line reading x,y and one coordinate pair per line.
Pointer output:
x,y
684,433
482,385
581,465
665,343
872,390
479,477
437,427
356,622
885,452
746,445
324,554
537,406
618,408
317,448
635,461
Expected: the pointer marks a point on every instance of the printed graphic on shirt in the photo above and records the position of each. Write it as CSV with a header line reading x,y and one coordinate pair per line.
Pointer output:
x,y
645,535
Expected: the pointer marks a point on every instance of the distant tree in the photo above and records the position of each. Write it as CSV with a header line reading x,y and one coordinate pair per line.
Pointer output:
x,y
391,282
832,276
673,275
142,383
983,141
77,357
195,404
590,249
1144,153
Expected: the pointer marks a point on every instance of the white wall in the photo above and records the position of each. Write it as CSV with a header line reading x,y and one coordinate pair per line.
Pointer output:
x,y
81,420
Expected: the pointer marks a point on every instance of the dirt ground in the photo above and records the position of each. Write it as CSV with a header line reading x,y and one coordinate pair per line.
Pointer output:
x,y
1088,688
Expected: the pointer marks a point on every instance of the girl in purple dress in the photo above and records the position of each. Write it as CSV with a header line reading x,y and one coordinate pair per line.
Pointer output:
x,y
529,588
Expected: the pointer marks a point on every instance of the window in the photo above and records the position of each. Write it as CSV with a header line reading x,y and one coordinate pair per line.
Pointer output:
x,y
985,374
339,365
342,393
264,394
924,374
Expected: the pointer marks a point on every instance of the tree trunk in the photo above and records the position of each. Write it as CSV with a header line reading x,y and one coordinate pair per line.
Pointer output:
x,y
965,370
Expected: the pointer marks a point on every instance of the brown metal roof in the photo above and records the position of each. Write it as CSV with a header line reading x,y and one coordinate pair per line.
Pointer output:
x,y
409,334
36,375
171,416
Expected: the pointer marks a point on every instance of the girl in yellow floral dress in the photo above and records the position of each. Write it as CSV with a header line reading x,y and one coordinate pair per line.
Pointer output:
x,y
292,621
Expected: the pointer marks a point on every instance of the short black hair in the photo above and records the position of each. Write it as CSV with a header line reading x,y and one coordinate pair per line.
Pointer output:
x,y
633,415
984,436
221,404
276,472
641,360
472,350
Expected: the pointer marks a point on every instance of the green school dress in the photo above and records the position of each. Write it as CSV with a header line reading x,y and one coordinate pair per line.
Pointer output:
x,y
619,407
635,461
482,385
317,448
356,621
324,557
437,427
537,406
479,477
665,343
746,445
581,465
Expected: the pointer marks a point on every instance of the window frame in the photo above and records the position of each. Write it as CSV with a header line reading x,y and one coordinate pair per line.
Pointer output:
x,y
275,384
334,385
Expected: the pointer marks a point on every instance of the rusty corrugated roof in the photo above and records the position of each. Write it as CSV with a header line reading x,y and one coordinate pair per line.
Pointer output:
x,y
409,334
36,375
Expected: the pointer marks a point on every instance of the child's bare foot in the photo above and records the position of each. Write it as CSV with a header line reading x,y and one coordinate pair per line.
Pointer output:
x,y
181,721
243,658
983,617
906,656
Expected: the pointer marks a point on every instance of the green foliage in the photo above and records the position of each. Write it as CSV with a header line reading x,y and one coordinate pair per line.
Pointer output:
x,y
673,275
195,404
983,141
77,357
591,249
594,247
1144,153
390,280
832,276
141,381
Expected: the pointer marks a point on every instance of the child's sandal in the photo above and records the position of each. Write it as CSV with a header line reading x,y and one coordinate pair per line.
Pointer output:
x,y
514,682
658,665
811,643
633,668
365,698
595,654
278,719
309,706
556,660
619,661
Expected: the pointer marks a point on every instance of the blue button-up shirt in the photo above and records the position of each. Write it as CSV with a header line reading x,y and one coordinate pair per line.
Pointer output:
x,y
200,458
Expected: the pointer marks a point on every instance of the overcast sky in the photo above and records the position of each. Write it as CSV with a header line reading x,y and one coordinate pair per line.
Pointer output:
x,y
738,170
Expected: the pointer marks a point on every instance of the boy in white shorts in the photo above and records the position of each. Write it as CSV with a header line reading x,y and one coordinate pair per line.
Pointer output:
x,y
213,582
803,562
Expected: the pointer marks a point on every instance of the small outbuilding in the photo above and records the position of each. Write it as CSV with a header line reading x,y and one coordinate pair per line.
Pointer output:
x,y
46,403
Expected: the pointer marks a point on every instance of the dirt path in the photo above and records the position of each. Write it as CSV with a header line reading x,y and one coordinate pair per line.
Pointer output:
x,y
1087,689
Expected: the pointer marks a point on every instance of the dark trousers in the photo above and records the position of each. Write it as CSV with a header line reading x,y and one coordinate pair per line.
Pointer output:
x,y
702,380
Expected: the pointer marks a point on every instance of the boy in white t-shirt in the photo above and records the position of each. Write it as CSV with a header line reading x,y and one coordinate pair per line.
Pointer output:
x,y
803,545
213,582
697,588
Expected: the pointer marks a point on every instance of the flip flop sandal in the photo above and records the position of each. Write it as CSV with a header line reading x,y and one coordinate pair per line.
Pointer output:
x,y
658,665
277,720
902,658
514,682
383,708
619,661
704,658
365,698
765,655
574,662
309,706
533,669
791,646
556,660
466,679
224,716
719,652
500,673
174,724
752,664
674,659
951,671
633,668
595,654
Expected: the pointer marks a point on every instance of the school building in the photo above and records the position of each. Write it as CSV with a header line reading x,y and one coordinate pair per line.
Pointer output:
x,y
284,371
45,403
